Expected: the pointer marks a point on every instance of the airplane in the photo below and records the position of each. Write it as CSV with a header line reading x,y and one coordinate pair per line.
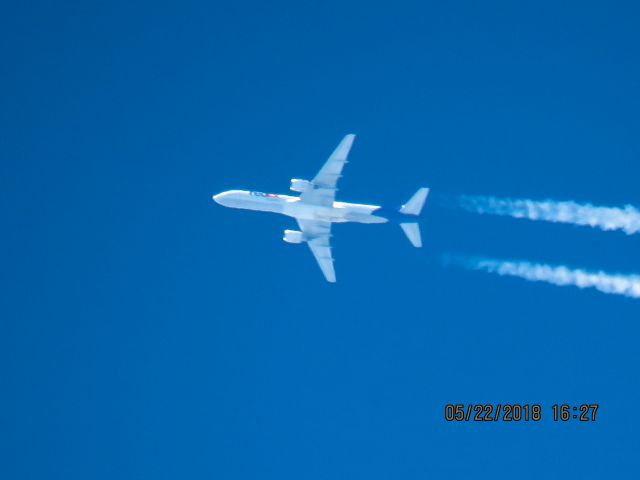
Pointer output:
x,y
316,208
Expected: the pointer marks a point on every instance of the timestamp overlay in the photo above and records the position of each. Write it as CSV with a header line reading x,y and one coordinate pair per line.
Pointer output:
x,y
521,412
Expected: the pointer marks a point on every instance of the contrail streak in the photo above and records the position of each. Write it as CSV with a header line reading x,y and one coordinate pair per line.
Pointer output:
x,y
626,218
617,284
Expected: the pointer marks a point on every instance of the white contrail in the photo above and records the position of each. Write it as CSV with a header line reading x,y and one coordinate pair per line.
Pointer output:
x,y
618,284
626,218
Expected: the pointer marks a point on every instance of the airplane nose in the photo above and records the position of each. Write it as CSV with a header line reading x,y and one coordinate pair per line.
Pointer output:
x,y
216,198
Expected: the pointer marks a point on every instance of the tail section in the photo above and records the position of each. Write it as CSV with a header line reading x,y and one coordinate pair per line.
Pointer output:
x,y
414,207
415,203
412,231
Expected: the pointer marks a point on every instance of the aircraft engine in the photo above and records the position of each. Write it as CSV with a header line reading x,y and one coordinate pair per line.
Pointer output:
x,y
293,236
298,185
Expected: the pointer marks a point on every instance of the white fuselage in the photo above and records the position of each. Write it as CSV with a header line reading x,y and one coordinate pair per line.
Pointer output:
x,y
339,212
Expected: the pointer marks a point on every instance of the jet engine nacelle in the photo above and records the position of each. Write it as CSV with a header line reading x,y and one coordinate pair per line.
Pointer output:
x,y
293,236
298,185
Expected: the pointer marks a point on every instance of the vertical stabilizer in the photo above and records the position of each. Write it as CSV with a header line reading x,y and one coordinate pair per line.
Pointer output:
x,y
412,231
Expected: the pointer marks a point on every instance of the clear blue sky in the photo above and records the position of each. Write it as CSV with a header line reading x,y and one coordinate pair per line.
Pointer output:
x,y
146,332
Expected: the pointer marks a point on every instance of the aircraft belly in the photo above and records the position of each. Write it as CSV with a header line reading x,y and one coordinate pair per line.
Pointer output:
x,y
267,205
331,214
369,219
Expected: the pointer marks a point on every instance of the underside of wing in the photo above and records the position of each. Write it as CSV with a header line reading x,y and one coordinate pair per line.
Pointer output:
x,y
322,190
318,236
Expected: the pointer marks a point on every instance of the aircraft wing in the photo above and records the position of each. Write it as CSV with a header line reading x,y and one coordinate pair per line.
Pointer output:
x,y
323,188
319,233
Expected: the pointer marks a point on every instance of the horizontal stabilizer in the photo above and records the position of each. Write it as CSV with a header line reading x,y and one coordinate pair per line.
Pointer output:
x,y
415,203
412,231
